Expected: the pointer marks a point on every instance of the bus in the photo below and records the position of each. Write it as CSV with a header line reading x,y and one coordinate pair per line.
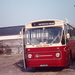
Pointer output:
x,y
48,43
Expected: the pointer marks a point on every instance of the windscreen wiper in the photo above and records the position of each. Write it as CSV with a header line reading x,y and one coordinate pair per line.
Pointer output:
x,y
54,39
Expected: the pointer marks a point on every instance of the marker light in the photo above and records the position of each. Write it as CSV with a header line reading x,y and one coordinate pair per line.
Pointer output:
x,y
29,55
57,54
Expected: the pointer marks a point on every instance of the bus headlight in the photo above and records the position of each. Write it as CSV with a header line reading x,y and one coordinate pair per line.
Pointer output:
x,y
57,54
29,55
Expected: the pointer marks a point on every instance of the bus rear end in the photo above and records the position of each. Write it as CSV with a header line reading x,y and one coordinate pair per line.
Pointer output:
x,y
44,46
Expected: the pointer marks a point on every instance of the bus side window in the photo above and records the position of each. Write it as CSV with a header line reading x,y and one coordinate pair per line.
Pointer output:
x,y
63,39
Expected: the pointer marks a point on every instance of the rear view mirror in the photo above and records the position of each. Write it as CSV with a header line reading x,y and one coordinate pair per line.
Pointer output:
x,y
68,35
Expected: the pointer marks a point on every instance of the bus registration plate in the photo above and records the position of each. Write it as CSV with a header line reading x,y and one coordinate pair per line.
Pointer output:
x,y
43,65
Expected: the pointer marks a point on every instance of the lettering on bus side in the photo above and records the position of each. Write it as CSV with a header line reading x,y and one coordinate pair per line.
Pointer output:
x,y
44,23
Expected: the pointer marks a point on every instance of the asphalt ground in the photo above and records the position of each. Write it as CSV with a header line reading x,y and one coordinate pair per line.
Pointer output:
x,y
13,65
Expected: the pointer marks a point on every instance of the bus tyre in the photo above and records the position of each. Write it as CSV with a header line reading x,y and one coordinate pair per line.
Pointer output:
x,y
71,58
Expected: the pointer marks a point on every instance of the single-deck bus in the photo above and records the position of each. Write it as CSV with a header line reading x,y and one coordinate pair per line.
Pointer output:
x,y
48,43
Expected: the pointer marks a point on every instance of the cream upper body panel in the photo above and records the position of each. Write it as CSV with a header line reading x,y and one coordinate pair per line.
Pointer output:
x,y
57,23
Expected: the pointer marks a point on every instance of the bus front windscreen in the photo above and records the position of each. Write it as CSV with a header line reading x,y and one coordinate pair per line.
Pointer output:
x,y
48,35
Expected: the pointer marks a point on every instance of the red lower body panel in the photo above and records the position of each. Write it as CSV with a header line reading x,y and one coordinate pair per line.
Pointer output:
x,y
47,57
47,63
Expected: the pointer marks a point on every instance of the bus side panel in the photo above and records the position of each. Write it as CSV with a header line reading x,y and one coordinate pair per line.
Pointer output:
x,y
72,47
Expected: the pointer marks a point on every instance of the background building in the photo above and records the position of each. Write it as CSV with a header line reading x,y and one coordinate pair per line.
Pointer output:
x,y
11,40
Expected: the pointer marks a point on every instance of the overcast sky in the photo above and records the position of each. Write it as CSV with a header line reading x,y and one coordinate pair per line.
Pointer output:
x,y
20,12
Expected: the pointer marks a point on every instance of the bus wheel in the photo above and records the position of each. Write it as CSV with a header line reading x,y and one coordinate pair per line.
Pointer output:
x,y
70,62
71,59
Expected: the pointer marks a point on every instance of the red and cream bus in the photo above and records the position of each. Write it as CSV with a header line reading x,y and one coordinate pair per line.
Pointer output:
x,y
48,43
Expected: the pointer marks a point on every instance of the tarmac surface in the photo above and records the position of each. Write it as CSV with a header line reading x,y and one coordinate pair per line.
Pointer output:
x,y
13,65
